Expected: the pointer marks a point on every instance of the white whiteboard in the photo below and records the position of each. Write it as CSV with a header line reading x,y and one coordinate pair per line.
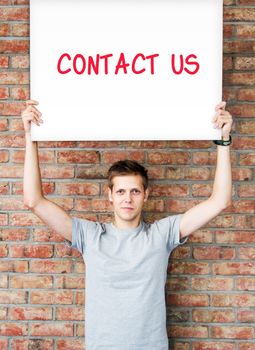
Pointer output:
x,y
148,102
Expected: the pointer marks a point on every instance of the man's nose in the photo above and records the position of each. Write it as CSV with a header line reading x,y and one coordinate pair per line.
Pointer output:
x,y
128,196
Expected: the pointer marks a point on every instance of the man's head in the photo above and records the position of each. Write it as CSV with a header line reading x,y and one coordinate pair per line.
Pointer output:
x,y
127,167
128,190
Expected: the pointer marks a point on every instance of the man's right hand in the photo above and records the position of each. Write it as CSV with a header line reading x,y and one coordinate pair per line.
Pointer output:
x,y
31,114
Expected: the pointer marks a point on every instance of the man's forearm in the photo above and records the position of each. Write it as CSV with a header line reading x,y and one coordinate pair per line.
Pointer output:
x,y
222,187
32,185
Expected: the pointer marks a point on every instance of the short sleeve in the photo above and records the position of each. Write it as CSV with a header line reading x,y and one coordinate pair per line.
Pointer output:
x,y
79,233
170,227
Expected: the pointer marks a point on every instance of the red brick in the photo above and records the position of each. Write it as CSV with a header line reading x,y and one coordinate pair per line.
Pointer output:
x,y
113,156
80,330
227,63
11,108
14,46
188,300
247,159
213,283
63,251
246,190
244,143
82,188
247,346
175,190
181,252
187,173
245,283
50,266
57,172
80,298
3,219
213,253
13,329
201,236
233,300
11,141
232,332
10,234
4,29
239,237
238,47
239,79
69,282
212,346
189,268
51,329
20,29
4,188
189,144
51,297
31,282
70,313
246,31
11,297
72,344
4,93
27,344
247,253
4,156
234,268
239,14
188,331
246,95
92,172
168,158
20,93
46,235
246,127
31,251
229,93
3,251
20,2
228,30
3,281
3,342
209,316
30,313
20,61
78,157
177,284
246,316
14,14
244,63
14,266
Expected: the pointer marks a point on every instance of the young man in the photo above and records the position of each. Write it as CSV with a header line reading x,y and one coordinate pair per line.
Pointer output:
x,y
126,261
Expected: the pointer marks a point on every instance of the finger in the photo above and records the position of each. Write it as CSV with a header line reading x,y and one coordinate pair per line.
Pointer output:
x,y
221,105
34,110
31,102
30,116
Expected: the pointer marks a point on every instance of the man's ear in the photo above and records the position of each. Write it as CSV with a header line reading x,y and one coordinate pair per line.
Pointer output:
x,y
146,194
110,194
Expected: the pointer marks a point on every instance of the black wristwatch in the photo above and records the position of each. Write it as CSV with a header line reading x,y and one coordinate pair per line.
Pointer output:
x,y
223,142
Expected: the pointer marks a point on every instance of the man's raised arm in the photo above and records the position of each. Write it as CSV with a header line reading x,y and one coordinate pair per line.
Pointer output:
x,y
220,198
50,213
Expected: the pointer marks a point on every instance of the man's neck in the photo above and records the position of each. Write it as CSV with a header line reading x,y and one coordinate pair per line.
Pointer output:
x,y
122,225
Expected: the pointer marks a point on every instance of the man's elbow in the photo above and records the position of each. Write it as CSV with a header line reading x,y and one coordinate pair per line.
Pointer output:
x,y
30,204
226,204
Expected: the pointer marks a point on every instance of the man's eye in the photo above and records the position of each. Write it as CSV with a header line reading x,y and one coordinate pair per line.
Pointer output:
x,y
120,191
135,191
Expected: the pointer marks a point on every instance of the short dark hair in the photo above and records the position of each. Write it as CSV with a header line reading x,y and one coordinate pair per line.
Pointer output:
x,y
127,167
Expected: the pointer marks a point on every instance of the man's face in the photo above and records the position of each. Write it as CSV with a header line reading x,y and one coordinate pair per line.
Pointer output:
x,y
127,197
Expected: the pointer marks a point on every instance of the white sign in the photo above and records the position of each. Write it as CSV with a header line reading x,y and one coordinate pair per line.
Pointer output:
x,y
126,69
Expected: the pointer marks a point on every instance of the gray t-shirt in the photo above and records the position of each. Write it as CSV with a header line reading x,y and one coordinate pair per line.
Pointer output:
x,y
126,273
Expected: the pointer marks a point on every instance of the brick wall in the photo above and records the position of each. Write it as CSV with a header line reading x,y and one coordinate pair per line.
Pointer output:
x,y
211,292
